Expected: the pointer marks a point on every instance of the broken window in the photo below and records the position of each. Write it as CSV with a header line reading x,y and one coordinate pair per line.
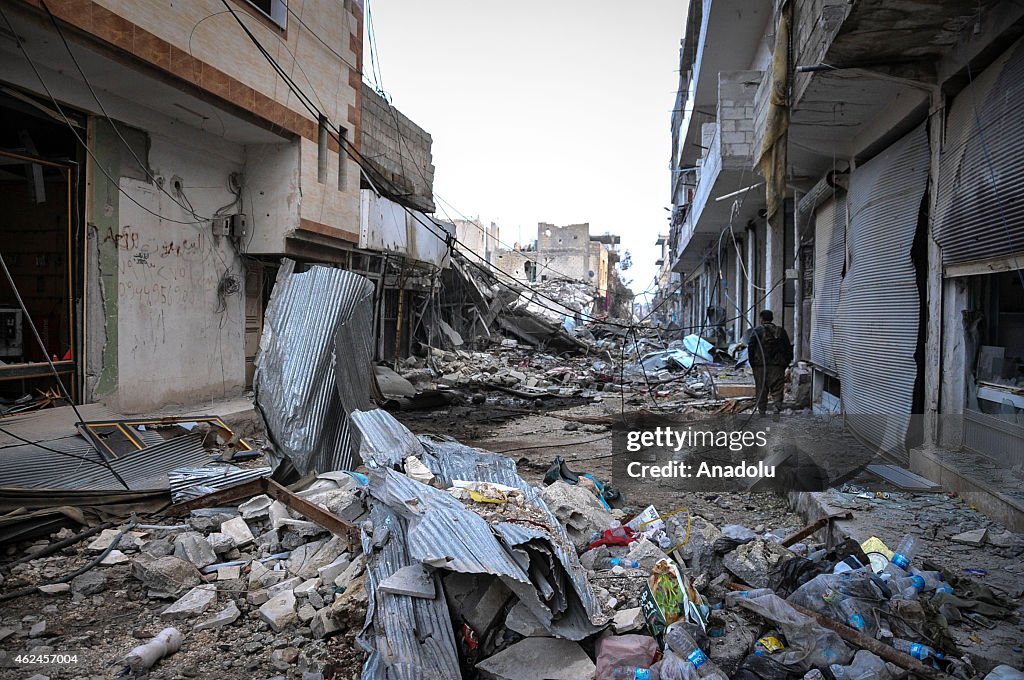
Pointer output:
x,y
275,10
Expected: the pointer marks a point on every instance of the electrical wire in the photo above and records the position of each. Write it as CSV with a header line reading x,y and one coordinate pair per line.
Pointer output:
x,y
97,163
449,239
113,125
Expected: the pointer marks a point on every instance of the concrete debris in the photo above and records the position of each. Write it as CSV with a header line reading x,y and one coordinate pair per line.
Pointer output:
x,y
414,581
532,658
225,617
329,572
114,557
351,572
194,547
166,577
107,536
55,588
231,573
578,510
521,620
753,562
628,620
279,611
975,537
256,507
283,659
238,531
89,583
646,553
306,560
192,604
697,549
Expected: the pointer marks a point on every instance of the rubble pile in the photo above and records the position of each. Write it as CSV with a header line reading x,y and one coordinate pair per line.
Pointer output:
x,y
674,375
444,562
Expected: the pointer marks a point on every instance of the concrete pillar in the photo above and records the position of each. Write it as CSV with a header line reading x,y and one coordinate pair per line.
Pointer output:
x,y
933,321
751,302
798,284
737,291
774,265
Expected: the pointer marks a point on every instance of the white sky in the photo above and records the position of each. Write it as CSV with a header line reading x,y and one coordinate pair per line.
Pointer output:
x,y
555,111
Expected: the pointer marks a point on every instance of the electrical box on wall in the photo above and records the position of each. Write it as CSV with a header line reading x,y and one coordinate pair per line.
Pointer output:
x,y
239,226
235,226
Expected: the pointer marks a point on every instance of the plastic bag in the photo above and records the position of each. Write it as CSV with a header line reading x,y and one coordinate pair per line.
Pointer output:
x,y
809,644
668,597
624,650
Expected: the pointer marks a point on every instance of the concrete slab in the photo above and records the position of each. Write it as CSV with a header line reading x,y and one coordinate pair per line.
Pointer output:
x,y
532,658
414,581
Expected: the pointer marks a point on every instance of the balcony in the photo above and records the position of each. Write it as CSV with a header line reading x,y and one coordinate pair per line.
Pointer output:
x,y
725,172
726,37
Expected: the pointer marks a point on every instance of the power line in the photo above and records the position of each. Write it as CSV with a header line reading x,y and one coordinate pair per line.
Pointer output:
x,y
88,84
449,239
74,131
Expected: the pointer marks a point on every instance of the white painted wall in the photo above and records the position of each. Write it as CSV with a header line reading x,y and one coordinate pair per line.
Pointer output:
x,y
175,344
271,195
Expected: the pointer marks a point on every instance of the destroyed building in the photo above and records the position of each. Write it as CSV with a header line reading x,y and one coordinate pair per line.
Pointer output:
x,y
848,165
423,481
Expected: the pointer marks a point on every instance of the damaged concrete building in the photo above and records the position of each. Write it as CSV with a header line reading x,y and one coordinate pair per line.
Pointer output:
x,y
158,163
851,166
570,253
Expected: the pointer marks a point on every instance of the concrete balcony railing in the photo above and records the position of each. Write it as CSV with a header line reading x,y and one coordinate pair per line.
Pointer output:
x,y
727,165
730,151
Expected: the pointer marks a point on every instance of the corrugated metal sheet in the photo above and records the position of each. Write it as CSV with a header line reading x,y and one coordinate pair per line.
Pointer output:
x,y
442,532
297,383
380,440
408,638
31,467
876,328
192,482
979,209
829,261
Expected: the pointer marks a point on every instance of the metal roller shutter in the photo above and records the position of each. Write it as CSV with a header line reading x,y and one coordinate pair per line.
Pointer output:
x,y
979,207
829,260
876,326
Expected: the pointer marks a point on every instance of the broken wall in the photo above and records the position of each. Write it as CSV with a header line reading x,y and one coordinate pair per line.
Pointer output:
x,y
397,150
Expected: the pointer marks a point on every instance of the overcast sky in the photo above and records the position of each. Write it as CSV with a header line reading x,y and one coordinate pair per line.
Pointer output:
x,y
555,111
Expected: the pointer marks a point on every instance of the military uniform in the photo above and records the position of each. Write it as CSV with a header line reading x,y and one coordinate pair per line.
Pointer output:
x,y
769,352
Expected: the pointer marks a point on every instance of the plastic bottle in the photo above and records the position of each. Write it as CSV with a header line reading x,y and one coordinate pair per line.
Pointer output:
x,y
915,649
904,553
854,616
814,674
634,673
683,645
933,580
734,596
908,587
609,562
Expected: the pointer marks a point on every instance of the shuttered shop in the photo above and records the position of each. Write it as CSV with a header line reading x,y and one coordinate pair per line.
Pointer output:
x,y
876,326
979,207
829,259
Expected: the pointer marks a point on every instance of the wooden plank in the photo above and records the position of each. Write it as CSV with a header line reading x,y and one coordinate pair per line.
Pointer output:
x,y
877,648
35,370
